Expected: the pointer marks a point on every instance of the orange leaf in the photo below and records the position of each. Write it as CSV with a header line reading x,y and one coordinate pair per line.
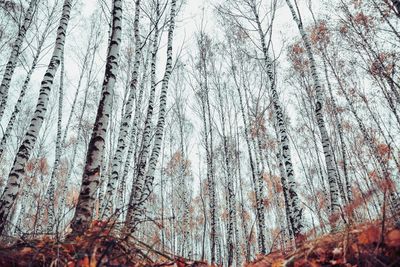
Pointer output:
x,y
84,262
393,238
278,263
369,236
26,250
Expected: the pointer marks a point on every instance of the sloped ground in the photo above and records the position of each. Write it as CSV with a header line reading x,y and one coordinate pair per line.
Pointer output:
x,y
362,245
96,248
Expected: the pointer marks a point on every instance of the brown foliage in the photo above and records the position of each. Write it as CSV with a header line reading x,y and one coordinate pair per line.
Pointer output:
x,y
176,163
97,247
381,65
363,245
320,34
363,20
297,57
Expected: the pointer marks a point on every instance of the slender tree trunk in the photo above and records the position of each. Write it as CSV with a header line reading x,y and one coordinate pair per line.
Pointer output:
x,y
50,192
203,94
319,101
90,180
231,194
127,117
140,173
18,170
79,130
349,196
210,180
15,52
136,209
294,209
18,105
260,216
133,141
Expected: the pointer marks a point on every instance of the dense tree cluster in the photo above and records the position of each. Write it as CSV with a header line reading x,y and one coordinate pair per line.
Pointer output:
x,y
279,123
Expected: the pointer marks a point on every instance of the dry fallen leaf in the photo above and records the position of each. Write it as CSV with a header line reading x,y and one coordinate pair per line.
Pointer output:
x,y
393,238
84,262
278,263
369,236
26,250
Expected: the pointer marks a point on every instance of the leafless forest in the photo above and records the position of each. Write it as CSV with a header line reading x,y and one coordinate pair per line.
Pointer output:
x,y
187,133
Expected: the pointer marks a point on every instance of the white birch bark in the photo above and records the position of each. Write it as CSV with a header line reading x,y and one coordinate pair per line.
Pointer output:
x,y
50,192
125,123
338,121
90,180
232,216
139,195
260,216
146,139
212,185
210,178
79,130
18,105
15,52
319,102
133,140
295,211
28,143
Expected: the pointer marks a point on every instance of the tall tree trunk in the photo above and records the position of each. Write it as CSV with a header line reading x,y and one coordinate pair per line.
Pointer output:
x,y
50,192
124,126
18,105
18,170
294,209
319,101
338,120
12,60
210,180
208,139
64,191
182,177
260,216
133,144
140,173
139,195
231,194
90,180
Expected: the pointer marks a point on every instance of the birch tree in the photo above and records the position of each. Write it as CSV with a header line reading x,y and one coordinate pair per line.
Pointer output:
x,y
90,180
145,145
326,145
18,105
12,60
293,203
24,151
203,46
50,192
125,123
143,185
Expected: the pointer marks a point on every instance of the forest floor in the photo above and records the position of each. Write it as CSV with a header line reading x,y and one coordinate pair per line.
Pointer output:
x,y
369,244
